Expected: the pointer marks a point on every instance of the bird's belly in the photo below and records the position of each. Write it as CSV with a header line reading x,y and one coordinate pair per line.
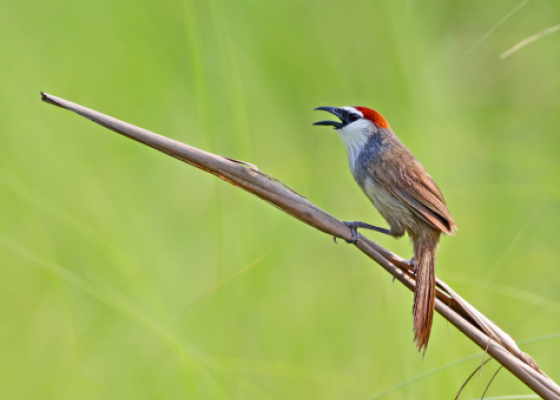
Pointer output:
x,y
395,211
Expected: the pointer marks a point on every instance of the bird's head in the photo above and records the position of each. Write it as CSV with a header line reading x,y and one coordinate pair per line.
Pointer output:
x,y
356,125
353,117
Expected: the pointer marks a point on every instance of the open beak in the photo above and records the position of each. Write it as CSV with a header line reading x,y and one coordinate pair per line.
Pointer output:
x,y
334,111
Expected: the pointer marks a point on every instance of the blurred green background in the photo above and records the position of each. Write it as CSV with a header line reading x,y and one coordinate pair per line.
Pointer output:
x,y
128,275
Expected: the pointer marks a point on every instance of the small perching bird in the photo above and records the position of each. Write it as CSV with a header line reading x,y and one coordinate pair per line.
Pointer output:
x,y
403,193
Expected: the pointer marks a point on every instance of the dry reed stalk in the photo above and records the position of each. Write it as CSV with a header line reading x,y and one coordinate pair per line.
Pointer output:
x,y
487,335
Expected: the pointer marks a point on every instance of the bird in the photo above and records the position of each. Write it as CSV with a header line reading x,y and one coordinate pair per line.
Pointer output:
x,y
404,194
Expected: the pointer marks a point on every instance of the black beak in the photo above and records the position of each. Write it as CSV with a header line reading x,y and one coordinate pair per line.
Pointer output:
x,y
334,111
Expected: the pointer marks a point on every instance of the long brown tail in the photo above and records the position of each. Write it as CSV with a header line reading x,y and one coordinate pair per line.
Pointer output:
x,y
425,292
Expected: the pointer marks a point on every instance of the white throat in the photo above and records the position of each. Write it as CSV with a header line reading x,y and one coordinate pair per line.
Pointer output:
x,y
355,137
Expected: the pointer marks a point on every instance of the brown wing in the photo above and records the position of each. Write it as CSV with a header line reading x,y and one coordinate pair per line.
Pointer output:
x,y
419,192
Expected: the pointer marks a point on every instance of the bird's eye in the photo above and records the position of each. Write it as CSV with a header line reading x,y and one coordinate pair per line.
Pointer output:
x,y
354,117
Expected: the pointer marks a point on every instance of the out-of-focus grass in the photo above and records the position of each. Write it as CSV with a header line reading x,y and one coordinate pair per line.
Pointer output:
x,y
128,275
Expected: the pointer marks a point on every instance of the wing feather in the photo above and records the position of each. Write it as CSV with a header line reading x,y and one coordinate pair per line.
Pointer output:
x,y
419,192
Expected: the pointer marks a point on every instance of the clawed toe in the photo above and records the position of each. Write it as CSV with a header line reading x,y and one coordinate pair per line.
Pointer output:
x,y
354,229
415,264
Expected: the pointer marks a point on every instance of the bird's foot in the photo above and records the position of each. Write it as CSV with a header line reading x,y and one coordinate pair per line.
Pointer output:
x,y
414,264
354,225
353,229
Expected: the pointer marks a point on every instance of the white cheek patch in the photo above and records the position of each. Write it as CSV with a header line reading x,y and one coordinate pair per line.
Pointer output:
x,y
360,128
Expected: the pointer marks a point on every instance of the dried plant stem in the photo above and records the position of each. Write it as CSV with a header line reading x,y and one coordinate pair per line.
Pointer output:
x,y
478,369
490,382
449,304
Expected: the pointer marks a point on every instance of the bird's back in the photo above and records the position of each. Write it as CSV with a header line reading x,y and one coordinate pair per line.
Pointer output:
x,y
400,188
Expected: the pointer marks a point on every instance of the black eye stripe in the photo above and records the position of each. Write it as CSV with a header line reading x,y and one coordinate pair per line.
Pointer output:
x,y
350,116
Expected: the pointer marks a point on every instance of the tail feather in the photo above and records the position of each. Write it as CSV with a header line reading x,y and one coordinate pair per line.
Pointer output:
x,y
425,292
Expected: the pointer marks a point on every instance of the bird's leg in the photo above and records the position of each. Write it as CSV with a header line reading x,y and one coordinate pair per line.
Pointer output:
x,y
354,225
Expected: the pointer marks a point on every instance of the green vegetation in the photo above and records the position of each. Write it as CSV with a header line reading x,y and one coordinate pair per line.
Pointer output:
x,y
128,275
